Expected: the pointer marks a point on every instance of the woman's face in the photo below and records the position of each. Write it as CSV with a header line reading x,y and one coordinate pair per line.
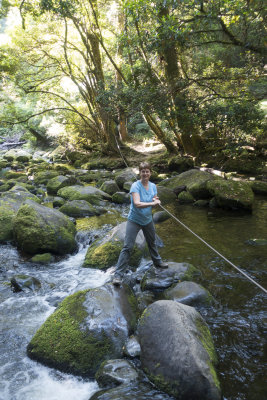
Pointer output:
x,y
145,174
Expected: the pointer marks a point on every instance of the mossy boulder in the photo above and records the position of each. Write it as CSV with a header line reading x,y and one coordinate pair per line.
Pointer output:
x,y
42,177
39,229
88,193
86,329
7,216
79,209
23,156
180,164
24,282
58,182
125,176
177,351
259,187
121,198
15,175
104,254
194,180
110,187
166,195
44,258
231,194
185,198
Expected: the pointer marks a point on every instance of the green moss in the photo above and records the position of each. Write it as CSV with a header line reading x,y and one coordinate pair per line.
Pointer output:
x,y
7,216
62,343
207,342
42,258
109,218
105,255
161,383
191,273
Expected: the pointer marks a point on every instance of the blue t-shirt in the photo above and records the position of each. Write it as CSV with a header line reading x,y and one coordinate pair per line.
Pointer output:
x,y
142,216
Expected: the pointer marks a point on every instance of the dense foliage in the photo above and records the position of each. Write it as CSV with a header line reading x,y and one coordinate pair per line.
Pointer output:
x,y
85,71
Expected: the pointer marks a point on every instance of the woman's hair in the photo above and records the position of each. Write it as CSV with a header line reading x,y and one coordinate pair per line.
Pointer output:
x,y
144,165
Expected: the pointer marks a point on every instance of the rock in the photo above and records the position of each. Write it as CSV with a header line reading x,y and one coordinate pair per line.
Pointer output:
x,y
194,180
23,156
157,280
177,351
160,216
231,194
22,282
87,328
42,177
10,202
58,182
132,347
45,258
105,253
132,391
79,209
40,229
180,164
257,242
166,195
88,193
125,176
127,186
115,372
185,198
259,187
110,187
189,293
15,175
121,198
201,203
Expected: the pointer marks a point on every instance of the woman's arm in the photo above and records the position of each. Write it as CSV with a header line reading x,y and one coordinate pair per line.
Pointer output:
x,y
142,204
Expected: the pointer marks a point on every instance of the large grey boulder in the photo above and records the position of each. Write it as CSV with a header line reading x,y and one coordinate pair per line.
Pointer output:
x,y
177,351
87,328
189,293
39,229
165,195
116,372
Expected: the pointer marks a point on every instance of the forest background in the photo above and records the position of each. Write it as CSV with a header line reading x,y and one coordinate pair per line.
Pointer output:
x,y
85,74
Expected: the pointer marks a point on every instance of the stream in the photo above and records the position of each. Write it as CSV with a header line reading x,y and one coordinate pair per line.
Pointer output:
x,y
236,319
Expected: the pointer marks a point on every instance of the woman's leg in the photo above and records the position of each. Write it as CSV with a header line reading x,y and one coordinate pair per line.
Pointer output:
x,y
150,236
132,230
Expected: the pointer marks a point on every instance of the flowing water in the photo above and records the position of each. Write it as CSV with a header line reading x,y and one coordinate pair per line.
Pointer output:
x,y
236,320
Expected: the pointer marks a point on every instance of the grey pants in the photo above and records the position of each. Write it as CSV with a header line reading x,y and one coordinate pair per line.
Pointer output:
x,y
132,230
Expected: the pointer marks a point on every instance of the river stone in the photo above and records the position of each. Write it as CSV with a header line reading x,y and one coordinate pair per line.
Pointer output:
x,y
259,187
132,347
157,280
79,209
189,293
127,186
115,372
42,177
177,351
23,156
105,253
121,198
88,193
257,242
110,187
10,155
58,182
15,175
231,194
165,195
40,229
185,198
87,328
180,164
160,216
138,391
44,258
22,282
125,176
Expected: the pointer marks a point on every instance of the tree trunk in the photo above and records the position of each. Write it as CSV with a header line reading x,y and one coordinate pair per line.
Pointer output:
x,y
160,134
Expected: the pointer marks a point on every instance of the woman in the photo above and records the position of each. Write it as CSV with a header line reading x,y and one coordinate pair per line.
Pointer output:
x,y
143,198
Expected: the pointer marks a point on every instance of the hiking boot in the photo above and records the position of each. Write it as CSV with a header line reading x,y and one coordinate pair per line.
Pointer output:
x,y
161,264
